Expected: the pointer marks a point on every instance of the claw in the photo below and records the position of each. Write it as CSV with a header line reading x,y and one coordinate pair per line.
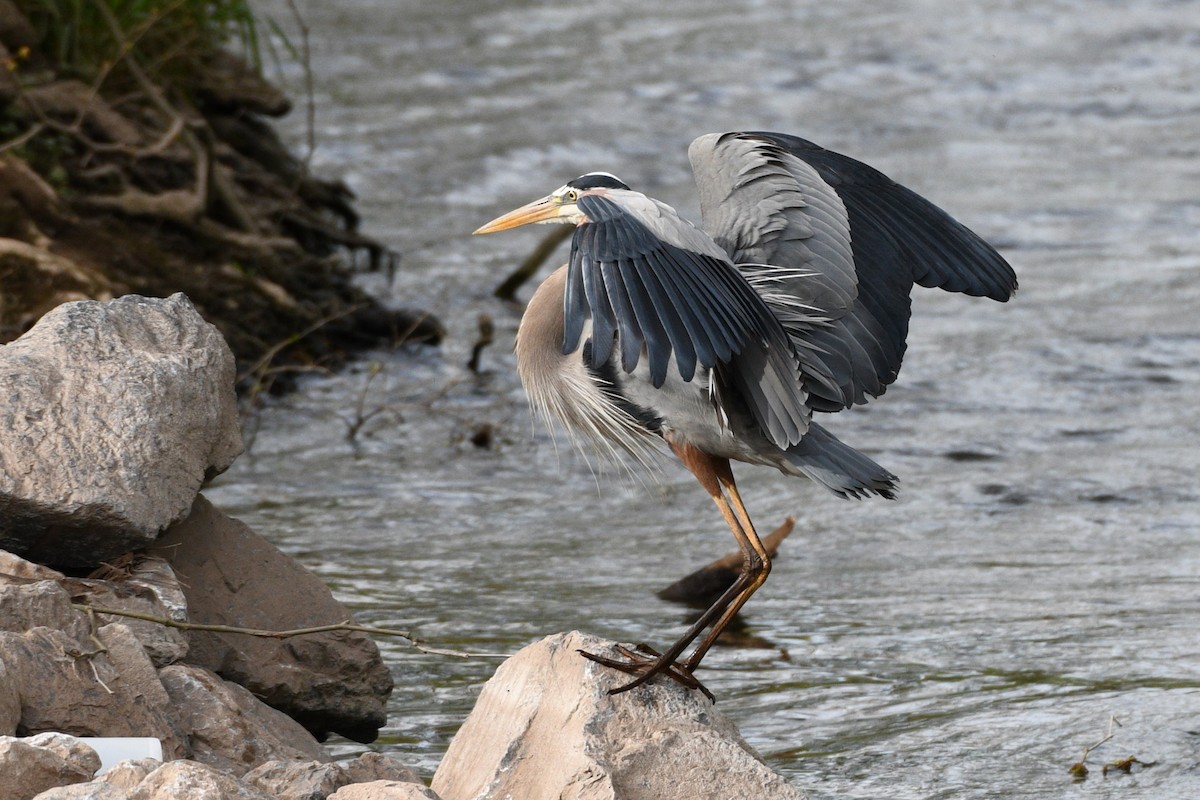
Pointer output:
x,y
645,662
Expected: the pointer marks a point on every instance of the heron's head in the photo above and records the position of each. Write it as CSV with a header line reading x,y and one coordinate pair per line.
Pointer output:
x,y
561,205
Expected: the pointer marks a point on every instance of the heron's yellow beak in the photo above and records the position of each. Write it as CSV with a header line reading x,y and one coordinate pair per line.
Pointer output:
x,y
545,210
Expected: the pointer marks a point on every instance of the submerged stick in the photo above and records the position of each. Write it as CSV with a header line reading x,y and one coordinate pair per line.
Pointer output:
x,y
703,586
508,289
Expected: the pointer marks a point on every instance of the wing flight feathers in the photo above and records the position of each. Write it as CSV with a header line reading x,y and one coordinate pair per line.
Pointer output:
x,y
639,270
835,246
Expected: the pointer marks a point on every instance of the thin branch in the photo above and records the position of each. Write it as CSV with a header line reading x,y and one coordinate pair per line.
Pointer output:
x,y
337,626
361,415
33,131
1079,769
90,655
1112,721
269,356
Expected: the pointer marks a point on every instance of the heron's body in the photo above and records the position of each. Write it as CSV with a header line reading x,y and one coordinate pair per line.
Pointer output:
x,y
724,342
610,407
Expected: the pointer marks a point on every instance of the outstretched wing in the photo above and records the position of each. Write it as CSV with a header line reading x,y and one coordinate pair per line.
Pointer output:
x,y
835,247
648,279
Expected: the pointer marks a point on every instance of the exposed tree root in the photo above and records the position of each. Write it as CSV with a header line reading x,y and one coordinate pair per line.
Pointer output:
x,y
139,183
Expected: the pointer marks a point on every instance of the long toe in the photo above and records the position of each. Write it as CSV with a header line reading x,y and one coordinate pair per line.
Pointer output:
x,y
645,663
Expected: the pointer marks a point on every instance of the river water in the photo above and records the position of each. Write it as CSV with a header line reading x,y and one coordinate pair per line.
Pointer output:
x,y
1039,575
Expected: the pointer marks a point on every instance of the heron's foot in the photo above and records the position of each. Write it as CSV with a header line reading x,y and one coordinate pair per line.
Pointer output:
x,y
645,662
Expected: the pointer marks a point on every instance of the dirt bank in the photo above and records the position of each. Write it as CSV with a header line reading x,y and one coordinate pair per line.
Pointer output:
x,y
155,177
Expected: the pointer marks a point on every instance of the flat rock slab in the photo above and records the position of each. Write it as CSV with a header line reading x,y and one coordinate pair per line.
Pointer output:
x,y
111,417
546,727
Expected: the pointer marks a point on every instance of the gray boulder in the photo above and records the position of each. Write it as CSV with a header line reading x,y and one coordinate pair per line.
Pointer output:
x,y
97,687
385,790
372,766
232,576
29,766
126,775
92,790
14,569
545,727
41,604
190,780
113,416
229,728
141,584
10,702
297,780
312,780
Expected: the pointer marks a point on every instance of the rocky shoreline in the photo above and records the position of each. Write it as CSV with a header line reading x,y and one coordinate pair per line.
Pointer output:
x,y
116,415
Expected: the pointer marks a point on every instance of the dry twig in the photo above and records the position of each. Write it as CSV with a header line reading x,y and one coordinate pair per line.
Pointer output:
x,y
336,626
1079,769
361,415
259,367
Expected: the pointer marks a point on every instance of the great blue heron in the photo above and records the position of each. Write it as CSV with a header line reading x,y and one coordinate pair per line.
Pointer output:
x,y
723,342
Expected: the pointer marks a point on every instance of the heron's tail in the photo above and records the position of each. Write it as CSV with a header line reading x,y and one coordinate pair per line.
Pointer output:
x,y
839,467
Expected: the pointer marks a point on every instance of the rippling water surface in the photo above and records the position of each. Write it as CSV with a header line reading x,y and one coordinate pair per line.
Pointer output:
x,y
1040,573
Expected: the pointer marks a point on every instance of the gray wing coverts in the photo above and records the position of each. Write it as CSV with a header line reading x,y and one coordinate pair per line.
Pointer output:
x,y
844,244
642,291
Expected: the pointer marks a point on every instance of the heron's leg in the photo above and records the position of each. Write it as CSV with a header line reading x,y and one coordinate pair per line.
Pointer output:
x,y
712,472
756,566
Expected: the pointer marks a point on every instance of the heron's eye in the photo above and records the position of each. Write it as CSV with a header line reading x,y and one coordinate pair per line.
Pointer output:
x,y
571,195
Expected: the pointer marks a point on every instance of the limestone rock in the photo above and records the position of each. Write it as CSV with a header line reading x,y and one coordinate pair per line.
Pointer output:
x,y
143,584
230,729
67,685
92,790
545,727
113,415
371,766
126,775
313,780
46,604
10,702
189,780
14,569
30,766
385,790
297,780
70,748
328,682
